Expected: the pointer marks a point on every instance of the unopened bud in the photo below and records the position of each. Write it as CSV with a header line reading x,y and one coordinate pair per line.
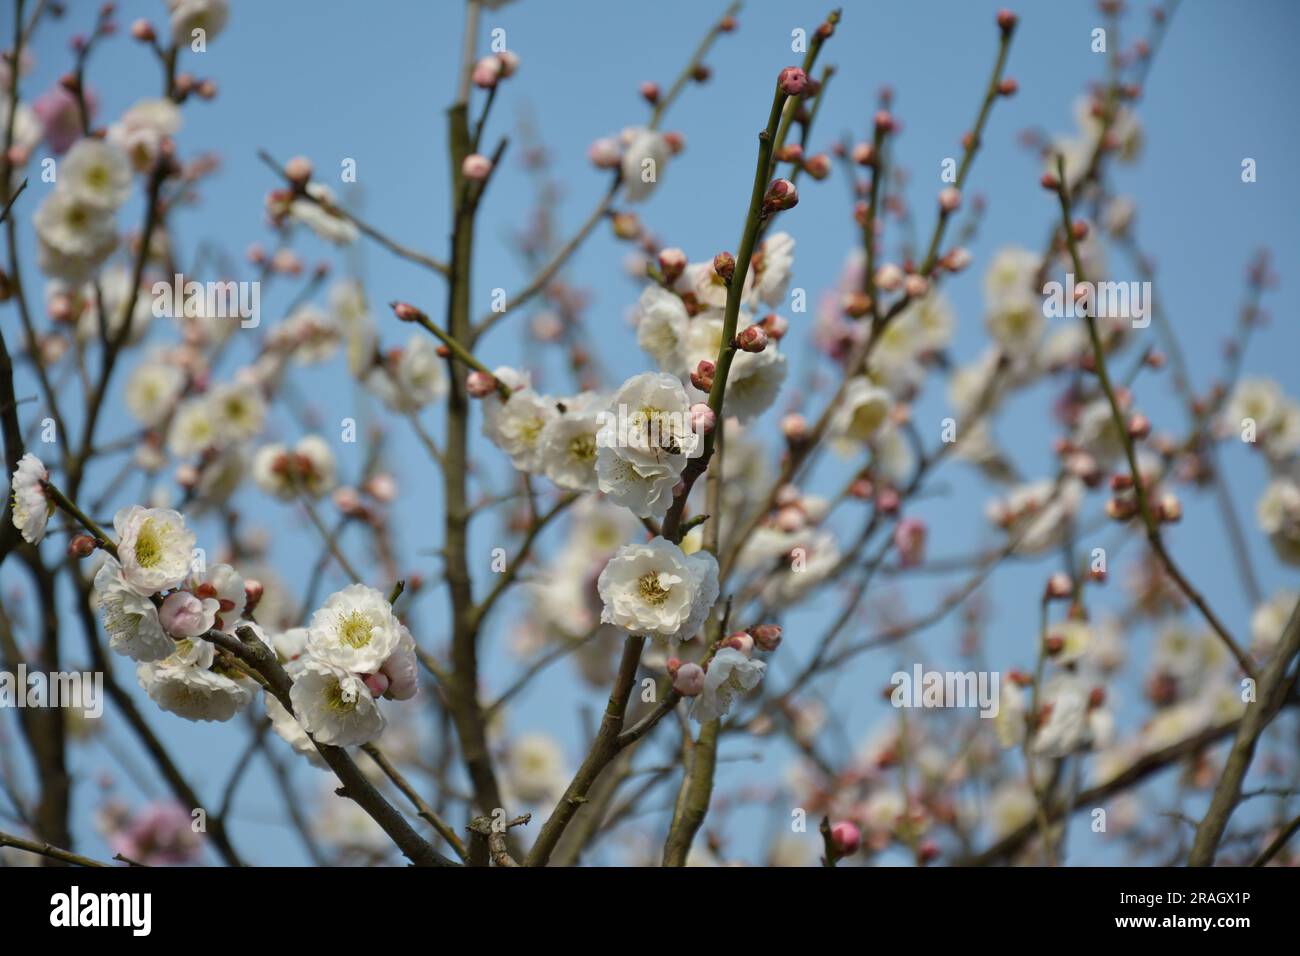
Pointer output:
x,y
724,264
81,546
780,195
672,262
792,81
702,377
703,418
767,636
480,384
298,170
476,167
751,339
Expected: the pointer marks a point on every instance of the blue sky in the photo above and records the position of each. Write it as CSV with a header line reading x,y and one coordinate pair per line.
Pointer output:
x,y
369,81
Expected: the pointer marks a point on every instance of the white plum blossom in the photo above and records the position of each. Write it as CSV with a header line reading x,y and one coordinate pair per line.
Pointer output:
x,y
354,630
96,173
210,16
291,732
75,237
322,216
863,410
1278,512
1037,514
1270,619
515,425
155,548
187,685
569,443
649,423
238,412
773,264
731,674
140,131
661,328
414,378
753,383
152,391
286,473
333,705
31,506
130,619
656,589
535,770
644,162
646,492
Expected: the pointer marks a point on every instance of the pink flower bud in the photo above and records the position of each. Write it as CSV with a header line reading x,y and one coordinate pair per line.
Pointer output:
x,y
885,121
1170,508
1008,87
794,426
81,546
604,154
950,199
649,91
486,72
382,487
184,615
476,167
253,591
915,285
767,636
888,501
672,262
509,61
1139,426
376,684
780,195
889,277
703,418
1059,586
406,312
689,680
724,264
347,500
792,81
298,170
818,166
1006,20
702,377
957,259
480,384
845,838
752,339
742,642
790,519
864,154
909,541
142,30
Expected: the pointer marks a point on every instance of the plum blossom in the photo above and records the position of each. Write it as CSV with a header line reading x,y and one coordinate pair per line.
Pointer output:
x,y
730,674
657,590
31,506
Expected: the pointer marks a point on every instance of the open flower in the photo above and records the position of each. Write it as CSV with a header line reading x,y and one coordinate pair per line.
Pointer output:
x,y
190,684
730,674
334,706
1278,511
130,619
354,630
96,173
656,589
643,164
32,508
155,548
